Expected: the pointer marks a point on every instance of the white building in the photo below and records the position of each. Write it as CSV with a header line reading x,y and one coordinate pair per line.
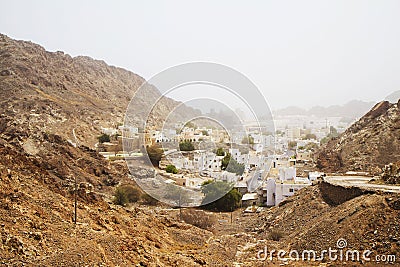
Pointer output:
x,y
128,131
287,174
275,191
238,156
207,161
269,141
225,176
181,162
313,176
109,131
293,133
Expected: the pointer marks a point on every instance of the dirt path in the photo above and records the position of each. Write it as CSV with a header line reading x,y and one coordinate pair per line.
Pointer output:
x,y
361,182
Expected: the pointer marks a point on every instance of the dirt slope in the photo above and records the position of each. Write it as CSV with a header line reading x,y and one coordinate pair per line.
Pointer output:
x,y
318,216
368,145
37,171
55,92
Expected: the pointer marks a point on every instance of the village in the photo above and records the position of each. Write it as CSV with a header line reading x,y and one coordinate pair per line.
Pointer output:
x,y
266,167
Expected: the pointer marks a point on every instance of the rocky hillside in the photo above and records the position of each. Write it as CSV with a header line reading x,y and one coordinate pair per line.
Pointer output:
x,y
56,93
319,215
37,172
368,145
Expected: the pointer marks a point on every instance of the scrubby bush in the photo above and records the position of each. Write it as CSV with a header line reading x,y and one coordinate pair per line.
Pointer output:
x,y
120,197
171,169
104,138
198,218
133,193
276,235
126,194
149,200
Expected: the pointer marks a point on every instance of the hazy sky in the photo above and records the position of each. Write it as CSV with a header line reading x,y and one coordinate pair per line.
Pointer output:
x,y
297,52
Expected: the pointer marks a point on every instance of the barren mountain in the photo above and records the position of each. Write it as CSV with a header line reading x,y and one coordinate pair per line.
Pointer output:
x,y
56,93
351,110
368,145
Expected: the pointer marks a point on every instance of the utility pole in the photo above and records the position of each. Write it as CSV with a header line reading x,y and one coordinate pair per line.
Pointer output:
x,y
180,208
76,201
75,184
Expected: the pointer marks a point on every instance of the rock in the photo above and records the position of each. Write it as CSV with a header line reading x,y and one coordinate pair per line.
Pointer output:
x,y
366,146
6,72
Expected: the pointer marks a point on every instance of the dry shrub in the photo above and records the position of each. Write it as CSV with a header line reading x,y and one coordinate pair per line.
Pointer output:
x,y
149,200
198,218
276,235
126,194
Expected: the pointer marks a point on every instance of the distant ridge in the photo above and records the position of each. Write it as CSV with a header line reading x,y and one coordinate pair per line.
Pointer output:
x,y
393,97
353,109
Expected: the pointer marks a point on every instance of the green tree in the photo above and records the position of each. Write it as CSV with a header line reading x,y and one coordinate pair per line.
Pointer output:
x,y
186,146
248,140
333,133
213,190
204,132
225,161
292,144
311,146
103,138
220,152
235,167
310,136
171,169
325,140
190,125
231,165
155,153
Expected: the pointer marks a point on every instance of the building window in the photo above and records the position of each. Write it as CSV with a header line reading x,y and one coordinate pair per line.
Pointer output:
x,y
291,190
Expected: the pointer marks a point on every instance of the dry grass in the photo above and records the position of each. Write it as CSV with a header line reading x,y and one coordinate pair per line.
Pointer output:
x,y
199,218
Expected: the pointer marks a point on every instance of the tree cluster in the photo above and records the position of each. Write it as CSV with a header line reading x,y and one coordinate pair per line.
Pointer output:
x,y
213,190
186,146
229,164
103,138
